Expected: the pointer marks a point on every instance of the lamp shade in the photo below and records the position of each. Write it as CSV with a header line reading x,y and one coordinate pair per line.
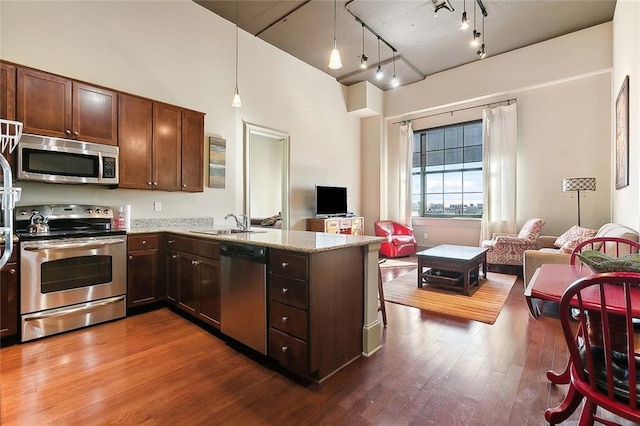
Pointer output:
x,y
578,184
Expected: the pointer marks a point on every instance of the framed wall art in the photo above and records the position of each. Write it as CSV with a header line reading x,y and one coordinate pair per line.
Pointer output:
x,y
217,162
622,135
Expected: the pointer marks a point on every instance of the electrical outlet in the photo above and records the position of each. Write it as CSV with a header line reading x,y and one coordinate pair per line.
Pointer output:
x,y
157,206
426,236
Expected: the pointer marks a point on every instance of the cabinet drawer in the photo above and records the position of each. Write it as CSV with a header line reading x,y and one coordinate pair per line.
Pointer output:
x,y
290,352
287,290
175,242
142,242
288,264
209,249
288,319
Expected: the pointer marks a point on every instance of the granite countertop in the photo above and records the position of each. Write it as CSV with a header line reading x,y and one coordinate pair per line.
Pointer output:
x,y
303,241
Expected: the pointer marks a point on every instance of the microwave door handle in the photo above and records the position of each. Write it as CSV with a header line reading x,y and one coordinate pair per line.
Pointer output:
x,y
67,246
100,171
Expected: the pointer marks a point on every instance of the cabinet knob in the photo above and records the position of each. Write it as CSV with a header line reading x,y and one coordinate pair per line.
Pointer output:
x,y
284,265
284,348
155,183
285,290
285,318
184,185
130,257
68,131
174,256
76,133
194,262
144,242
149,183
171,241
12,271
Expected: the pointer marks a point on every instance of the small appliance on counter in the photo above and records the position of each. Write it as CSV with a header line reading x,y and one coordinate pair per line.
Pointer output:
x,y
73,268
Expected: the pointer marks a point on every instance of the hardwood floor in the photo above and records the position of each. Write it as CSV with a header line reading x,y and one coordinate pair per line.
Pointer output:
x,y
158,368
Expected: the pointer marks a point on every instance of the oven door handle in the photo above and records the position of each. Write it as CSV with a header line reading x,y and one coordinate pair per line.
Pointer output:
x,y
67,246
87,307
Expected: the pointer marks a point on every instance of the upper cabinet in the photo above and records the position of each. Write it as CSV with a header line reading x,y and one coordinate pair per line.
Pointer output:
x,y
8,98
192,150
161,146
51,105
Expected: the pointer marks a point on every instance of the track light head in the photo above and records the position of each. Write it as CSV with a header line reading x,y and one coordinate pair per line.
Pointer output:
x,y
363,61
394,81
482,53
475,41
379,73
465,22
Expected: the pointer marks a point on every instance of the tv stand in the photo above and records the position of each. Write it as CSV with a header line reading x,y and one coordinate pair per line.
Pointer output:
x,y
337,225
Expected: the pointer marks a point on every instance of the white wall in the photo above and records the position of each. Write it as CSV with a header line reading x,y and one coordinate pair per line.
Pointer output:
x,y
180,53
626,48
563,90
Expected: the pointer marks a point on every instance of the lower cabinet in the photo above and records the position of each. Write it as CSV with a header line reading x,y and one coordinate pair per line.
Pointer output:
x,y
193,277
9,297
315,310
142,267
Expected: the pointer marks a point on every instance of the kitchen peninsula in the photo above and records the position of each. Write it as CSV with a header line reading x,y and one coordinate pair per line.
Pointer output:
x,y
320,296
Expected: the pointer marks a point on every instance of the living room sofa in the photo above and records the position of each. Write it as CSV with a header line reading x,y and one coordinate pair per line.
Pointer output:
x,y
548,252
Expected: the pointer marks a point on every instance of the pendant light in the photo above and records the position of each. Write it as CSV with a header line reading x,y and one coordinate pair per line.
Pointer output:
x,y
334,58
379,73
236,102
363,58
394,79
465,22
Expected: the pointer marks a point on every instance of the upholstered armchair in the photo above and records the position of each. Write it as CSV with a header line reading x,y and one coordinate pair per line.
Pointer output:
x,y
400,239
508,249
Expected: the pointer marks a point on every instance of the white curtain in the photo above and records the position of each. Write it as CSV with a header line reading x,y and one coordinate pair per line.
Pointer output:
x,y
499,170
405,156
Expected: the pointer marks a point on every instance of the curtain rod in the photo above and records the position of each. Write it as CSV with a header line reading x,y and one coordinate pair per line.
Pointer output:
x,y
508,101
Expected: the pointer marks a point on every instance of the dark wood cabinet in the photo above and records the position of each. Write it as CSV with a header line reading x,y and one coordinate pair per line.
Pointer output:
x,y
167,141
142,268
51,105
315,310
8,101
9,297
193,277
161,146
192,151
134,139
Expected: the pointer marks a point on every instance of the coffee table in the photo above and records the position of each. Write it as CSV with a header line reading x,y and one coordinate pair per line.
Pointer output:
x,y
447,257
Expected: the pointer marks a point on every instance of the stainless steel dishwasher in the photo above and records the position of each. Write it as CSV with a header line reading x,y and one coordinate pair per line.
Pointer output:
x,y
243,298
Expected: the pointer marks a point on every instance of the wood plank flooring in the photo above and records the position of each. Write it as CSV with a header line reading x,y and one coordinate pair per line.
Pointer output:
x,y
157,368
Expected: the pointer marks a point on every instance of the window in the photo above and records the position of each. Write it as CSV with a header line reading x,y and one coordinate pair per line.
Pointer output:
x,y
447,171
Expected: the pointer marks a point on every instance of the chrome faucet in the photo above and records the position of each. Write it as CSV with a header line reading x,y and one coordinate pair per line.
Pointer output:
x,y
242,221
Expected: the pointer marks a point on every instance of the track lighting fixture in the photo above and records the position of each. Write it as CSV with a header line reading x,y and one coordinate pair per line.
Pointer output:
x,y
475,41
363,58
465,22
236,102
394,79
379,73
334,58
441,4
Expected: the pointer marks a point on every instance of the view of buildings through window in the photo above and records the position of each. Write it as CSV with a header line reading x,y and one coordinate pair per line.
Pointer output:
x,y
447,171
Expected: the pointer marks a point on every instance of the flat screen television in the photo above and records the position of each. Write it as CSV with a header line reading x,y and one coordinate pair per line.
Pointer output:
x,y
331,201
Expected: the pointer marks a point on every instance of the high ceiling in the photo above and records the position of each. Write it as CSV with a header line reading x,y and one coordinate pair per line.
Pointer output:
x,y
424,44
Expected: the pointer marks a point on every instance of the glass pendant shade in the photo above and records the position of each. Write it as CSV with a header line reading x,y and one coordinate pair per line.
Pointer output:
x,y
379,73
334,59
236,102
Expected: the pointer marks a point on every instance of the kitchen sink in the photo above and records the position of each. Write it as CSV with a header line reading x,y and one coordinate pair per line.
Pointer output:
x,y
226,231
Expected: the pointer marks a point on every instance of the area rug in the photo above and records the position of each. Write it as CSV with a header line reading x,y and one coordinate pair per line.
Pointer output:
x,y
484,305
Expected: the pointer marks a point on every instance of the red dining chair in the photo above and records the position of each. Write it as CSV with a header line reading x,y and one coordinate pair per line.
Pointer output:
x,y
612,246
600,350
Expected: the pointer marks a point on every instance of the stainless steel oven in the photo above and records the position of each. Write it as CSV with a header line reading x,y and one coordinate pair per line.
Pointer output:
x,y
70,278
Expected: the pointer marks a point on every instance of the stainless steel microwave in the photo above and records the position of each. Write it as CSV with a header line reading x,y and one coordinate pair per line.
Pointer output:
x,y
54,160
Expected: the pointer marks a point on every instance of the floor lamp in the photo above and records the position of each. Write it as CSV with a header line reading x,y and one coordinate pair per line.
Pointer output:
x,y
578,184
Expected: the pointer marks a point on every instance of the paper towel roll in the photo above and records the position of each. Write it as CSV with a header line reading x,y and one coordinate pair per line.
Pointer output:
x,y
127,217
